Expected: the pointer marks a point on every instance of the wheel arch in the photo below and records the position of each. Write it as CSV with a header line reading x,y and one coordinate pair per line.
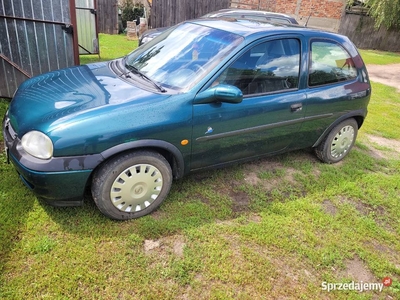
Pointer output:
x,y
359,116
170,152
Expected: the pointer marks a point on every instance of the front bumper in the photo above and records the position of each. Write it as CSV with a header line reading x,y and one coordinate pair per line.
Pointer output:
x,y
60,181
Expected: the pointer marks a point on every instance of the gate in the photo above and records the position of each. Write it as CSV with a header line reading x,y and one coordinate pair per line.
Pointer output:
x,y
86,12
42,35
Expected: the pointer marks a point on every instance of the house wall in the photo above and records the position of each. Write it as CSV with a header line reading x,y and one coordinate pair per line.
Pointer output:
x,y
324,14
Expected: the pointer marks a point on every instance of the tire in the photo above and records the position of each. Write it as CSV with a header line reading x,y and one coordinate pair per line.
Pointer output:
x,y
338,143
131,185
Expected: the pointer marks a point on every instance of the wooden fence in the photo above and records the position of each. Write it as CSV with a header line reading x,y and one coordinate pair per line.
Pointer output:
x,y
360,29
170,12
107,16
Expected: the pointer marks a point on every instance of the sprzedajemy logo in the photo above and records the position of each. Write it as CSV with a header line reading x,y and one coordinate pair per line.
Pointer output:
x,y
356,286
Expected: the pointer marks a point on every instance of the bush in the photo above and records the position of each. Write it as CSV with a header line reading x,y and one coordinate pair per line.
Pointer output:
x,y
131,12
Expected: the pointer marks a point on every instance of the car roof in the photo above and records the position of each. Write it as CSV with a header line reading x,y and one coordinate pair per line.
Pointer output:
x,y
252,30
226,13
245,27
247,12
251,14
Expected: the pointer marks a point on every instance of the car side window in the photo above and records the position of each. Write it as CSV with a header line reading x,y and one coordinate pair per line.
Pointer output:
x,y
329,63
269,67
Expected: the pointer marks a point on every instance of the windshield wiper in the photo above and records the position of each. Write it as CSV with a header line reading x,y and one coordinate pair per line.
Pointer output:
x,y
144,76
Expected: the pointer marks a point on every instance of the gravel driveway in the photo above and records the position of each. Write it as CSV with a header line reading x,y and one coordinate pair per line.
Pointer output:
x,y
386,74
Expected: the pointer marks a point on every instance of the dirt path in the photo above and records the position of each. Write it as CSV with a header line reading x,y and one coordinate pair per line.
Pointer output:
x,y
386,74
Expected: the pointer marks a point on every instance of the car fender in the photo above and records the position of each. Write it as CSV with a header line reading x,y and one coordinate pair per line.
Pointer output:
x,y
358,115
176,157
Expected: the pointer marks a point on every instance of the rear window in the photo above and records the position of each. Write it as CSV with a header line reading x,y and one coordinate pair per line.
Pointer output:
x,y
329,63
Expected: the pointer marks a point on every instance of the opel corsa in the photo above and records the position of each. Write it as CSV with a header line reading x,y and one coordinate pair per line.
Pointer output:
x,y
204,93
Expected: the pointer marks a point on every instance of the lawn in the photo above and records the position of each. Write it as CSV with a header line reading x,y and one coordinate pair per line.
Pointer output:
x,y
111,46
286,227
380,57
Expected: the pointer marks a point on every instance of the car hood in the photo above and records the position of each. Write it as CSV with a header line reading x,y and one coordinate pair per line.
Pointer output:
x,y
64,94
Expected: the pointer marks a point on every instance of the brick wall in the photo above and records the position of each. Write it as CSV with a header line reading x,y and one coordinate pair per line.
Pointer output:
x,y
320,8
324,13
254,4
288,7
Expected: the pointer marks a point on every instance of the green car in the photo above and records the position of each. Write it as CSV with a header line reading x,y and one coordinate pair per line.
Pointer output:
x,y
203,94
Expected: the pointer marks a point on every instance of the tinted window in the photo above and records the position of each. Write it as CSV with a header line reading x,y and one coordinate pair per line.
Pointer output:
x,y
330,63
268,67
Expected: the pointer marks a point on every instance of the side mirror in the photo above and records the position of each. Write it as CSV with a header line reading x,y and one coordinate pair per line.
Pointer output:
x,y
220,93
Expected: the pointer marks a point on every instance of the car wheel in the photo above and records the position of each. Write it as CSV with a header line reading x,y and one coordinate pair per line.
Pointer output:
x,y
338,142
131,185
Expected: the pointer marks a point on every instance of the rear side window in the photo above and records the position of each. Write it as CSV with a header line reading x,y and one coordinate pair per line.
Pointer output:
x,y
329,63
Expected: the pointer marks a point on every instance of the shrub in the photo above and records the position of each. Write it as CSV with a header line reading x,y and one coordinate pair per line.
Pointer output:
x,y
131,11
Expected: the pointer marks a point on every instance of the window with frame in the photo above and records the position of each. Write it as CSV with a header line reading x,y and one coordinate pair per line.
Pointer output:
x,y
329,63
269,67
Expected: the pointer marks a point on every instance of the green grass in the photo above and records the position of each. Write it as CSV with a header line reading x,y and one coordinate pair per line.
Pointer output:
x,y
111,46
382,113
271,229
380,57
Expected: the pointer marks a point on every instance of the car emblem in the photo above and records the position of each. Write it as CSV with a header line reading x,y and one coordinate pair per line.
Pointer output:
x,y
209,130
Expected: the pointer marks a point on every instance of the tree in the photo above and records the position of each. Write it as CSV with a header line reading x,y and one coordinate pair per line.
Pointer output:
x,y
384,12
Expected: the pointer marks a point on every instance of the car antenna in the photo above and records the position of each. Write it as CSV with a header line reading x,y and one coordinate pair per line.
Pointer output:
x,y
305,25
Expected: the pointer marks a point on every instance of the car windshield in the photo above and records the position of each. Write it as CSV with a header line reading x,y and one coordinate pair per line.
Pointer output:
x,y
182,56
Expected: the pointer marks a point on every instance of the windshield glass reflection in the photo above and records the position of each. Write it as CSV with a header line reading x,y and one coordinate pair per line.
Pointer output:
x,y
180,57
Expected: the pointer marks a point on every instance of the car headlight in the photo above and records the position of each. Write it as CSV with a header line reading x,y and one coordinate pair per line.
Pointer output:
x,y
37,144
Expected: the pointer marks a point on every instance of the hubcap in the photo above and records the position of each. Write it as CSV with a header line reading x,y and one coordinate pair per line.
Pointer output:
x,y
136,187
342,142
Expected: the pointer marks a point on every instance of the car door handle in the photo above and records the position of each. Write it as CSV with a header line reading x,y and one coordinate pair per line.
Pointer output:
x,y
296,107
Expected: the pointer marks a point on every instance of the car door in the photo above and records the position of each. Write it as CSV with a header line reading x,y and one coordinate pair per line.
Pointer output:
x,y
333,88
267,119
